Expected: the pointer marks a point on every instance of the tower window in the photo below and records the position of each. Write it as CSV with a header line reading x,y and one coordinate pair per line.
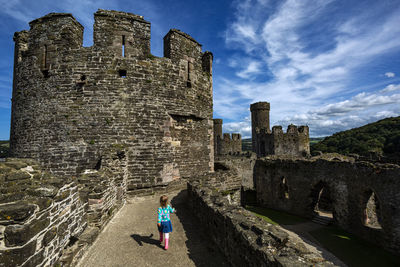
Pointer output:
x,y
122,73
45,70
123,45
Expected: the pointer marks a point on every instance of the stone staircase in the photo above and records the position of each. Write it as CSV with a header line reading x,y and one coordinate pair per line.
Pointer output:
x,y
322,220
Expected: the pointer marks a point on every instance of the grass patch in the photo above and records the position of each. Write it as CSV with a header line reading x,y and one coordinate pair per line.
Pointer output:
x,y
353,250
275,217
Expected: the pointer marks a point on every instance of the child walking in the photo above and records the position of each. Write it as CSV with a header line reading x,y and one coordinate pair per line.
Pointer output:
x,y
164,221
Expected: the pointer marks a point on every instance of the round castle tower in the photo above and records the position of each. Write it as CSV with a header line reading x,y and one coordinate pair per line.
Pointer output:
x,y
259,121
72,105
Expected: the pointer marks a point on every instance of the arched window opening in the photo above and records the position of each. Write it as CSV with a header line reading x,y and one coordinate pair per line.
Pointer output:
x,y
283,189
372,211
322,203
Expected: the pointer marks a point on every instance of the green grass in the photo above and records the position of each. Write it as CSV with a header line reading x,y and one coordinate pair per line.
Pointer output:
x,y
314,140
275,217
349,248
352,250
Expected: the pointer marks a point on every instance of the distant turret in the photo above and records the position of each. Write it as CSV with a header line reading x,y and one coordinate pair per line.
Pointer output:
x,y
224,144
294,142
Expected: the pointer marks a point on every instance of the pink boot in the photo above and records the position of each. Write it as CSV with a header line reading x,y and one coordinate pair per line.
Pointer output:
x,y
161,237
166,243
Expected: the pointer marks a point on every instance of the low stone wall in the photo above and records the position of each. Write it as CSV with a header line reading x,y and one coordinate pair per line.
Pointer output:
x,y
245,239
39,214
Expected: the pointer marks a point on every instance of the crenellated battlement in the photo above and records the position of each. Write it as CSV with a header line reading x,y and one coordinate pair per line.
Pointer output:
x,y
294,142
292,130
124,35
226,143
120,15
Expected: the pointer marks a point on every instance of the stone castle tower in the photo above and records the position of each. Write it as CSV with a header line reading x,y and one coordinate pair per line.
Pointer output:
x,y
71,104
294,142
223,143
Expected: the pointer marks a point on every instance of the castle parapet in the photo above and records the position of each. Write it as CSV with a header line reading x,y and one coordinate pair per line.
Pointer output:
x,y
21,45
260,106
304,130
179,45
182,49
207,60
52,34
236,136
292,129
57,31
227,137
294,142
226,144
124,34
277,130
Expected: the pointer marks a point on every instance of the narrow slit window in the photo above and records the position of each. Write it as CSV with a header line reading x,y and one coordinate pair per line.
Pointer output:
x,y
122,73
123,45
189,83
45,70
45,58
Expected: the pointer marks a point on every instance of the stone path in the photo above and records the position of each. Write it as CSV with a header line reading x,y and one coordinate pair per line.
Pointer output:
x,y
131,238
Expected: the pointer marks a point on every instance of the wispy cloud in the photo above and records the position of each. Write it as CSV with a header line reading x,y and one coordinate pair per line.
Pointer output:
x,y
390,74
390,88
315,61
252,68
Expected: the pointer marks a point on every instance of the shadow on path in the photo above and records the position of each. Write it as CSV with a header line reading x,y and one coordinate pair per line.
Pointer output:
x,y
146,239
201,250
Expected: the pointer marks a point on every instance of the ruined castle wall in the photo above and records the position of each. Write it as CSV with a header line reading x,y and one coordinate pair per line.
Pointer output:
x,y
243,164
349,184
295,142
39,214
73,103
224,144
245,239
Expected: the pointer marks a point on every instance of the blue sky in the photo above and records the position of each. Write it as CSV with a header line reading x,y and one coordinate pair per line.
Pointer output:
x,y
332,65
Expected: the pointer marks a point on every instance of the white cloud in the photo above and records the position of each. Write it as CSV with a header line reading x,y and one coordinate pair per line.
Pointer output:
x,y
390,88
252,68
317,86
390,74
243,127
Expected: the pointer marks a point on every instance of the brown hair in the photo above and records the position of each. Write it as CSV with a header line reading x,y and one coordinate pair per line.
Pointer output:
x,y
163,200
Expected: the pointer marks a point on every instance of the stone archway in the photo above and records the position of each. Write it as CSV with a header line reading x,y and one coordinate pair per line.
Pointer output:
x,y
321,200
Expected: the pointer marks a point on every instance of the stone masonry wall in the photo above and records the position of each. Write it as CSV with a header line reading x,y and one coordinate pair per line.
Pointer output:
x,y
71,103
224,144
294,186
295,142
243,165
39,214
245,239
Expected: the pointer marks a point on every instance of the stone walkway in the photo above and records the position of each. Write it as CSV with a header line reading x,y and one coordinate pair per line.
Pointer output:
x,y
131,238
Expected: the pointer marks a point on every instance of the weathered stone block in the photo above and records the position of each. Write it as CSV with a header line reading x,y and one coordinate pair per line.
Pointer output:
x,y
49,236
17,175
14,257
17,211
18,235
